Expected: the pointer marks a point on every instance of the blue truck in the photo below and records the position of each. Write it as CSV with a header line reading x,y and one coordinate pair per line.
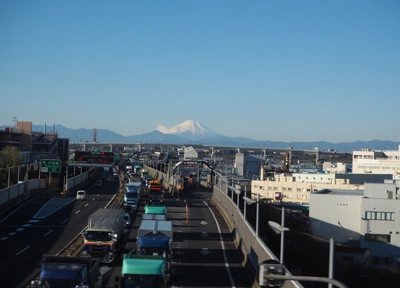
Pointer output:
x,y
155,237
67,272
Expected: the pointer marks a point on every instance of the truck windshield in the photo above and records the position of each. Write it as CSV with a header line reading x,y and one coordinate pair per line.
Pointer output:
x,y
142,281
59,283
98,236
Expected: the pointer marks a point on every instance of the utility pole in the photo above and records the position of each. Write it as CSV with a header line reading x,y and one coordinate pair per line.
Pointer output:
x,y
15,121
95,133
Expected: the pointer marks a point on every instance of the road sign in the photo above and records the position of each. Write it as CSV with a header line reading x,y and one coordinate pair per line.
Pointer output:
x,y
50,165
35,167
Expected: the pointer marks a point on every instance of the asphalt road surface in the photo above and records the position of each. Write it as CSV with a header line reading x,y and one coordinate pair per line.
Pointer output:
x,y
203,248
44,225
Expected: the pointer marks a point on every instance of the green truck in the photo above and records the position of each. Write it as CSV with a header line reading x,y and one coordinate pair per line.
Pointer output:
x,y
143,271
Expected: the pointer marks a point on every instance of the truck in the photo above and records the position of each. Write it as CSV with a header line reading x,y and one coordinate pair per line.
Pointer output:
x,y
156,191
144,173
143,271
66,272
156,209
155,237
102,238
161,217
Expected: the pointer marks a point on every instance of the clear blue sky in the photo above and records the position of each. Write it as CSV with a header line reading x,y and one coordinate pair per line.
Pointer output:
x,y
268,70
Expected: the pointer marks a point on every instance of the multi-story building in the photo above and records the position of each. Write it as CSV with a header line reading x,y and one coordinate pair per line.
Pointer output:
x,y
35,145
297,187
377,162
369,218
248,166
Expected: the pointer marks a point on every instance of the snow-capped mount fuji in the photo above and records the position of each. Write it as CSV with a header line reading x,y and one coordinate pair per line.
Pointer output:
x,y
190,129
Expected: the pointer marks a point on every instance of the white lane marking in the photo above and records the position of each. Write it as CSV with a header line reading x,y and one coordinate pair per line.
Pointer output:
x,y
33,221
12,234
53,211
93,199
26,225
22,250
87,204
4,238
98,194
48,233
19,229
223,247
77,211
65,220
16,210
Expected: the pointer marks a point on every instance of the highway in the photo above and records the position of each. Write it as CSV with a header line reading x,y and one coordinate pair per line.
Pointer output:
x,y
203,248
44,225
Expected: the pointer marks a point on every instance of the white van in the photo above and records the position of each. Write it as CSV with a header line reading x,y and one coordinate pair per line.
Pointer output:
x,y
81,195
99,183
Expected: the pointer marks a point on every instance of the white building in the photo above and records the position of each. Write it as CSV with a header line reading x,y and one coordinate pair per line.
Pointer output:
x,y
248,166
377,162
336,167
190,153
370,217
297,187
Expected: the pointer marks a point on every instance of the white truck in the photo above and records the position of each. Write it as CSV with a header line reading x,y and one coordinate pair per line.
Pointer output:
x,y
155,237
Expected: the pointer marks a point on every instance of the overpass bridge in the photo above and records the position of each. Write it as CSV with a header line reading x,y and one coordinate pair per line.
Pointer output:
x,y
119,146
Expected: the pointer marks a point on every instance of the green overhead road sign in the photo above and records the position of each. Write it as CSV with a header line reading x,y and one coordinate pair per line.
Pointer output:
x,y
50,165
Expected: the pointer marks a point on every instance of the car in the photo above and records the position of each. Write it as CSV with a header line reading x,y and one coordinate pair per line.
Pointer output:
x,y
127,220
131,204
81,195
115,175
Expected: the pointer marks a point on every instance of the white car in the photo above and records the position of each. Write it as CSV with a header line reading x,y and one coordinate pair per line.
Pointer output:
x,y
81,195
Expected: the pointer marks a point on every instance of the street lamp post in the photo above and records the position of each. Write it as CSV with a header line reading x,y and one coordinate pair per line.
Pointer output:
x,y
249,201
282,234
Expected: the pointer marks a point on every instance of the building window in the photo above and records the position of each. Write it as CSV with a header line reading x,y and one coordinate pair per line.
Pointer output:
x,y
388,216
381,238
269,187
298,189
289,188
255,186
283,188
275,188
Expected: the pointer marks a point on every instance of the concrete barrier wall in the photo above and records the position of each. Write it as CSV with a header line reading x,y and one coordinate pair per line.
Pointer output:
x,y
36,184
253,249
77,180
20,189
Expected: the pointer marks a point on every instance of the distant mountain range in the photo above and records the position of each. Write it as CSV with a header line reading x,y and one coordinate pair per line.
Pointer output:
x,y
193,132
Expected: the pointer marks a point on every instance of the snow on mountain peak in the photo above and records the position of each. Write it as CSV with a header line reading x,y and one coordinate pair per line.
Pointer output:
x,y
193,127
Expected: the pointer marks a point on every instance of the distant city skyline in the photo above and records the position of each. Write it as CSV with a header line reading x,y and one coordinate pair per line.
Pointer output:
x,y
308,71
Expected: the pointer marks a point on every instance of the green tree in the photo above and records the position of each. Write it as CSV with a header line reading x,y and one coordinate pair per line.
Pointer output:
x,y
9,157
